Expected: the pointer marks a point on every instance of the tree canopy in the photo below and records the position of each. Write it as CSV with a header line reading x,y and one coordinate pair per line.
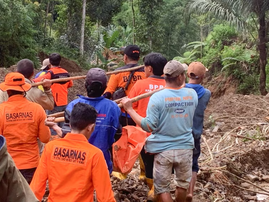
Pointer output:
x,y
179,29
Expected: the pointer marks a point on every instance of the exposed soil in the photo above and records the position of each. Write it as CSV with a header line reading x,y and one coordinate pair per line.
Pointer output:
x,y
234,165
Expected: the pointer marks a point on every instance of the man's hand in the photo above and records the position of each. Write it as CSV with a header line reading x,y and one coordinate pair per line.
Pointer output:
x,y
46,84
127,104
50,122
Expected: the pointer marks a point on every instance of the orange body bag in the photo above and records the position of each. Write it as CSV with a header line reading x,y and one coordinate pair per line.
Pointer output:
x,y
127,149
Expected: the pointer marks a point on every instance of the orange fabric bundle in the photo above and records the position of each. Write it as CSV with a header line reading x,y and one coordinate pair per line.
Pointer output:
x,y
127,149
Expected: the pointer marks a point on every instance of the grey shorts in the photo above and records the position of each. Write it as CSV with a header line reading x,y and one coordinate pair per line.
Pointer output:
x,y
180,160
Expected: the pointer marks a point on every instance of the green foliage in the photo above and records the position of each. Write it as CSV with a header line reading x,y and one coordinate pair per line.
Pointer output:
x,y
196,51
103,10
216,40
16,33
237,54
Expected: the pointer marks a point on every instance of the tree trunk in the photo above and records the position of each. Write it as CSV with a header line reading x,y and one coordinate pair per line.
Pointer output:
x,y
83,28
263,53
46,20
133,11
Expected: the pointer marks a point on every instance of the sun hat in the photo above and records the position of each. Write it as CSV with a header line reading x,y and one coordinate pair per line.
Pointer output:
x,y
45,63
15,81
173,68
96,75
196,70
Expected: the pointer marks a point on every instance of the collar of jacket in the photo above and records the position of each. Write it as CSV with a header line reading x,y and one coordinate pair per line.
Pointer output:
x,y
16,97
79,137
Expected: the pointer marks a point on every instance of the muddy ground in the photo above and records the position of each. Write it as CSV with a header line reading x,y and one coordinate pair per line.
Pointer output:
x,y
235,148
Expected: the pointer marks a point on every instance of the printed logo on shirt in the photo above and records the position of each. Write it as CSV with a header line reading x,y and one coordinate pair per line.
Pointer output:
x,y
69,155
153,87
179,111
100,118
135,78
179,103
25,116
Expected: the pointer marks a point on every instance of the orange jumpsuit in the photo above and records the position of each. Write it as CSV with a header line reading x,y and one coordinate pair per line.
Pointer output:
x,y
21,123
74,169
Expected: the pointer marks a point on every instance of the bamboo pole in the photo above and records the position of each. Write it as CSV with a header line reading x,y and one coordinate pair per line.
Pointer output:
x,y
84,76
142,96
135,99
57,114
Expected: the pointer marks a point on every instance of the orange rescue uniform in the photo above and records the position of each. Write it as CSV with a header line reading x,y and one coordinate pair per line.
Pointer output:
x,y
74,169
59,90
144,86
120,79
21,123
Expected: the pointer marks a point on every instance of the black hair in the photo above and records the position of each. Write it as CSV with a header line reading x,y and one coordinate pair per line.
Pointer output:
x,y
26,68
157,61
55,59
95,89
133,58
169,79
82,115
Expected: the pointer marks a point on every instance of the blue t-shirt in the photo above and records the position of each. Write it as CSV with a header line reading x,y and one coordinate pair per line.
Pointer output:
x,y
107,123
169,119
203,99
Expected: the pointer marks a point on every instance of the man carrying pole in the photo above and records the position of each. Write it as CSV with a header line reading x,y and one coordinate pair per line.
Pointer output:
x,y
169,119
21,123
59,89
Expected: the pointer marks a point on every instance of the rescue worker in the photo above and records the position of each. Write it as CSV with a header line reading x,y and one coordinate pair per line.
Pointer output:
x,y
21,124
73,167
119,81
196,73
153,67
108,113
169,118
59,90
44,68
119,85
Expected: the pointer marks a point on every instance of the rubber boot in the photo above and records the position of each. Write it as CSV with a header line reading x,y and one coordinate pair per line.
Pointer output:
x,y
151,196
191,187
142,175
119,175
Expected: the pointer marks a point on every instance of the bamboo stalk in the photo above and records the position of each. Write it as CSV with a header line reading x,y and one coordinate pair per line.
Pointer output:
x,y
59,119
57,114
84,76
142,96
135,99
60,114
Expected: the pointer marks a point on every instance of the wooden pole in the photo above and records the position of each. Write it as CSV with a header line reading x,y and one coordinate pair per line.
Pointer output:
x,y
58,114
83,77
135,99
142,96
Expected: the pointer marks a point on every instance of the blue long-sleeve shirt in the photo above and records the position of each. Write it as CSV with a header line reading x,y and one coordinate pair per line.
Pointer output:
x,y
203,99
169,119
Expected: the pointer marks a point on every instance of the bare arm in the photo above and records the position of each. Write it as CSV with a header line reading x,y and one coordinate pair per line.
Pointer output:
x,y
127,104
